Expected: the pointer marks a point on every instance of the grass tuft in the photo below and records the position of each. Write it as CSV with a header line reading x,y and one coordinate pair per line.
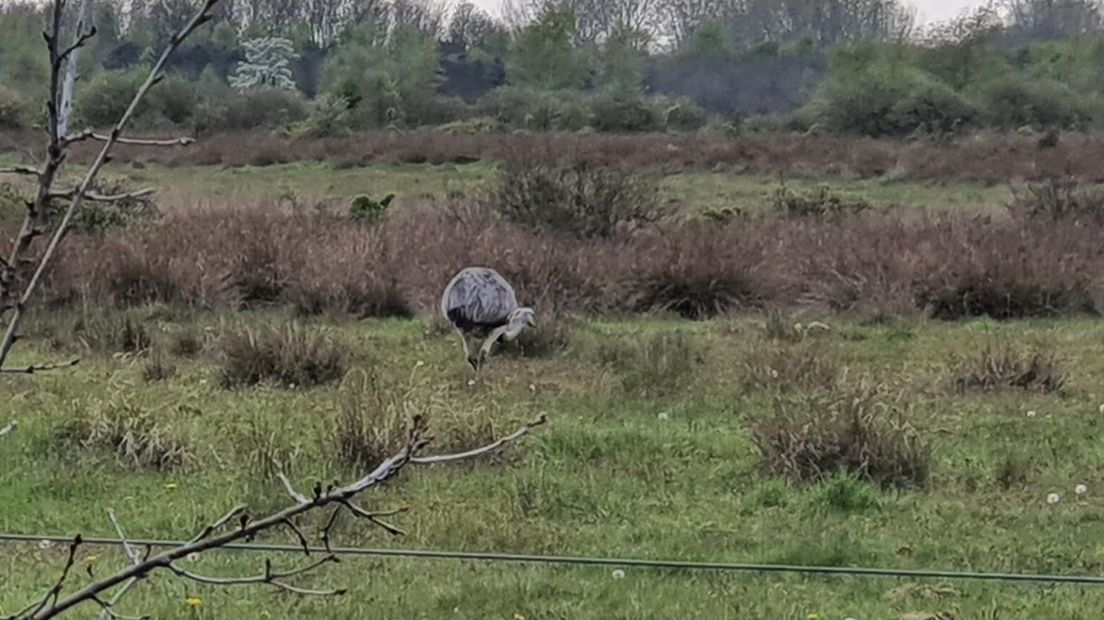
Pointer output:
x,y
853,433
289,356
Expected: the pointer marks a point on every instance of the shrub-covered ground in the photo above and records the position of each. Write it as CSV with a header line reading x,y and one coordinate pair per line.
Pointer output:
x,y
839,398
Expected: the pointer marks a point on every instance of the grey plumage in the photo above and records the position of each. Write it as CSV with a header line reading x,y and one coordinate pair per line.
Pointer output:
x,y
480,303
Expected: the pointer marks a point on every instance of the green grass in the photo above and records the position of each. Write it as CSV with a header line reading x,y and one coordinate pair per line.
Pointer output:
x,y
614,474
310,184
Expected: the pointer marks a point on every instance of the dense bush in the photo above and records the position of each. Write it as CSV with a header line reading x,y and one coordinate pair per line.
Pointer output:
x,y
1059,199
1017,101
625,114
231,110
887,98
581,199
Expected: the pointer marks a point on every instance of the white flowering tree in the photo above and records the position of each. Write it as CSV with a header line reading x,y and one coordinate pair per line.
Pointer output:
x,y
267,65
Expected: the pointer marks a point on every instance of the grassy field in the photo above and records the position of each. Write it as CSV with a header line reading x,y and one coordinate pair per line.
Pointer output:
x,y
649,453
310,184
646,456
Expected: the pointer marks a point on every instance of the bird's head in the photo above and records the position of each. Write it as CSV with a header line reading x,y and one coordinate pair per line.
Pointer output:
x,y
520,319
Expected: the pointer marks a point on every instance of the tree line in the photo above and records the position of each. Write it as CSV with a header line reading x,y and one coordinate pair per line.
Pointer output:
x,y
327,66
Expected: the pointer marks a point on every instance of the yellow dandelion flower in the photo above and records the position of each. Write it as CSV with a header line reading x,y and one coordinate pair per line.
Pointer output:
x,y
194,602
172,486
92,559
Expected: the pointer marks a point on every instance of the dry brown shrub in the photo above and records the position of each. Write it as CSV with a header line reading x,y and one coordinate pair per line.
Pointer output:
x,y
698,272
1007,366
289,355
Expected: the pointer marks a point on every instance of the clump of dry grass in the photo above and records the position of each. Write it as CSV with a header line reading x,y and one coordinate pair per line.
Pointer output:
x,y
789,366
111,332
852,432
658,364
288,355
370,424
186,343
1007,366
133,434
158,368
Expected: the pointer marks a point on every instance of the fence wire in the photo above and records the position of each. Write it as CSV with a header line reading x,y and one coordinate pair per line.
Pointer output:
x,y
677,565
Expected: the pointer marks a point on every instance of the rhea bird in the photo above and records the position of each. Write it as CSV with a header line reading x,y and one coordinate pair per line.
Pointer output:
x,y
481,305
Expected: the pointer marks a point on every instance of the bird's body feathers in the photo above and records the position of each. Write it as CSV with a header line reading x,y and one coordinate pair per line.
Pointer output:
x,y
478,300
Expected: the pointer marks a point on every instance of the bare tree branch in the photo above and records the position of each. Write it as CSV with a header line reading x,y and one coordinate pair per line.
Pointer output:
x,y
108,609
88,134
338,497
463,456
96,197
37,368
24,170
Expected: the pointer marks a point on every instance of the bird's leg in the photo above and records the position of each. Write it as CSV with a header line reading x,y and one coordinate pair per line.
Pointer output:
x,y
472,360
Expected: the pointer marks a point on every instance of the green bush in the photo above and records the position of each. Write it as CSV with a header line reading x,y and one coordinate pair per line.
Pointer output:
x,y
369,210
536,110
582,200
1017,101
106,97
251,110
624,114
685,115
887,98
15,110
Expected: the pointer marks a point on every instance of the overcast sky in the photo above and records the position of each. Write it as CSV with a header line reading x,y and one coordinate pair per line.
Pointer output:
x,y
928,10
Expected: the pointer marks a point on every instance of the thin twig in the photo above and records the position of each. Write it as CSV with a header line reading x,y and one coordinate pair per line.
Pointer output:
x,y
296,495
299,534
268,578
51,596
376,517
228,517
9,429
108,610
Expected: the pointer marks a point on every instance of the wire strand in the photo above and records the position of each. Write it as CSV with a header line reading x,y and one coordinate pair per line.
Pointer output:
x,y
594,561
